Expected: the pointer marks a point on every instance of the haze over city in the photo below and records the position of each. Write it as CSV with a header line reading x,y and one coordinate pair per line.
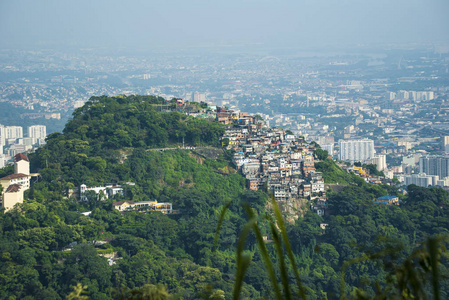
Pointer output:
x,y
200,23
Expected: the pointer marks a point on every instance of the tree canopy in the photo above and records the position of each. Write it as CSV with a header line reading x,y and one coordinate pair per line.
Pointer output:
x,y
49,250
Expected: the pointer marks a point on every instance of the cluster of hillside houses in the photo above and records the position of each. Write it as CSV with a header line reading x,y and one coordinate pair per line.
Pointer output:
x,y
279,162
271,159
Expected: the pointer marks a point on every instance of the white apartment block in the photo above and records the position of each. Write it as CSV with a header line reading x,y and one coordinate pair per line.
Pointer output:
x,y
423,180
199,97
412,95
391,95
16,149
13,132
2,136
37,132
422,96
2,159
446,144
356,150
380,161
434,165
108,191
329,148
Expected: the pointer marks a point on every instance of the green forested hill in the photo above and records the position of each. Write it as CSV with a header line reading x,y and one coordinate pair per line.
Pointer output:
x,y
105,131
111,139
133,121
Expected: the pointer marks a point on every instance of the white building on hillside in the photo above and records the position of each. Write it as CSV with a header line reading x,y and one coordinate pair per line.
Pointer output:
x,y
15,184
107,190
21,164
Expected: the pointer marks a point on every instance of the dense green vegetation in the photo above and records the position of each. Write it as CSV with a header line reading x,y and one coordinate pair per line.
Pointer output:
x,y
113,140
106,130
172,250
168,250
133,121
371,168
332,173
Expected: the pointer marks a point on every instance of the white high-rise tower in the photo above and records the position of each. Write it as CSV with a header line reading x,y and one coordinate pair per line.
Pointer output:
x,y
356,150
37,132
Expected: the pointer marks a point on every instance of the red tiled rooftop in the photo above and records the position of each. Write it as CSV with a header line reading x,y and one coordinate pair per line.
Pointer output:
x,y
13,188
14,176
20,157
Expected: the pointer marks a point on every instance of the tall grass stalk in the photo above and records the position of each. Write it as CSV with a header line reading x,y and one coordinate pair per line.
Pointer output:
x,y
282,245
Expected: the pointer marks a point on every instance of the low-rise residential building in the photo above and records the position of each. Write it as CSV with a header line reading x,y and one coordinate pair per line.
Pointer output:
x,y
12,196
107,190
253,184
163,207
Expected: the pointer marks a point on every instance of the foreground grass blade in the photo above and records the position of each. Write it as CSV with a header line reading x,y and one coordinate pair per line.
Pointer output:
x,y
280,222
220,223
434,257
264,253
282,267
243,260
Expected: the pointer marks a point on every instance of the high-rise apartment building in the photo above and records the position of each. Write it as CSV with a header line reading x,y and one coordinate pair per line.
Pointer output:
x,y
423,96
403,94
446,144
329,148
356,150
380,161
2,159
2,136
423,180
13,132
199,97
392,95
434,165
37,132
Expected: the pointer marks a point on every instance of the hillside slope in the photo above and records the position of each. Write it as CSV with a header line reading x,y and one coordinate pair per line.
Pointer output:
x,y
113,140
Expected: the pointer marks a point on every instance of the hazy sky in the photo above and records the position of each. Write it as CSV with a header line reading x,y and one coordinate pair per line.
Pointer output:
x,y
170,23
